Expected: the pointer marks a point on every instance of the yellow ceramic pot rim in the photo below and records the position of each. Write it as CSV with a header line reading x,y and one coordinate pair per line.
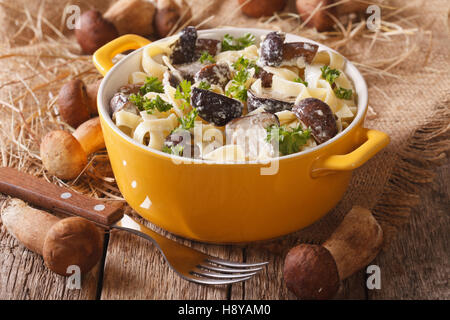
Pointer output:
x,y
351,71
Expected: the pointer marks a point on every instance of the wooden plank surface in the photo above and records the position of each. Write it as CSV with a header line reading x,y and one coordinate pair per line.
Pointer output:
x,y
23,275
417,264
134,269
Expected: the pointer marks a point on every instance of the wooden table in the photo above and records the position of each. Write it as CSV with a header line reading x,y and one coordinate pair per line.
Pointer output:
x,y
415,266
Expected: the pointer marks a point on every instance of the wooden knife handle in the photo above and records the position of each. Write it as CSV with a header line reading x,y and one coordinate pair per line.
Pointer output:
x,y
43,194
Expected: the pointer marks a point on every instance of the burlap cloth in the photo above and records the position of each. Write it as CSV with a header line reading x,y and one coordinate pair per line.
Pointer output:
x,y
408,77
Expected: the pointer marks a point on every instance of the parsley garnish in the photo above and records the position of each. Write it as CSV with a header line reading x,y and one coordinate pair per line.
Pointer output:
x,y
144,103
237,88
300,80
229,43
206,57
184,93
289,139
152,84
243,63
187,122
176,149
204,85
330,75
343,93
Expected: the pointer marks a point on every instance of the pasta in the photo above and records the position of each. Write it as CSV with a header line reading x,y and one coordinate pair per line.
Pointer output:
x,y
232,99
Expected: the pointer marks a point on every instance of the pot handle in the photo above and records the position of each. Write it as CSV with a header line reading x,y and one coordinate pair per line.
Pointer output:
x,y
103,56
375,141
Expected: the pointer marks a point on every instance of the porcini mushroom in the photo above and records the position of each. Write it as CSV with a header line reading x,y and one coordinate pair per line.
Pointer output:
x,y
260,8
132,16
317,13
65,155
61,242
94,31
214,107
91,92
315,272
168,13
77,102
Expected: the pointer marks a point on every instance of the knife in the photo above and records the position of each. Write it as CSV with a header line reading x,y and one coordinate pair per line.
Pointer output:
x,y
48,196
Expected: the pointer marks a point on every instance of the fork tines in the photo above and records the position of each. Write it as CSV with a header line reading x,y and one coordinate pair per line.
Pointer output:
x,y
218,271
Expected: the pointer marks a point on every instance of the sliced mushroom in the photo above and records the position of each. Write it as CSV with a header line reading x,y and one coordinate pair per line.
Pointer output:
x,y
262,119
268,102
294,50
215,73
271,50
171,79
120,99
274,52
184,140
318,116
250,133
215,108
188,70
211,46
184,47
266,77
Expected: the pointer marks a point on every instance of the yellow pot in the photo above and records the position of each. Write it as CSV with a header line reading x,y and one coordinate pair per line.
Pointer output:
x,y
225,203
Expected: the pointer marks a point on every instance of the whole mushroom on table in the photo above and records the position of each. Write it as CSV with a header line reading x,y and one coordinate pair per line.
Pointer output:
x,y
141,17
315,271
67,242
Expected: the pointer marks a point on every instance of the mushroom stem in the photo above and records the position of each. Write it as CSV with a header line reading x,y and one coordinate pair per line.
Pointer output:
x,y
28,225
90,136
356,242
61,242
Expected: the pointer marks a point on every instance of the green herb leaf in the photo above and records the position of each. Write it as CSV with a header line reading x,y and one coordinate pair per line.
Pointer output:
x,y
289,139
206,57
144,103
152,84
343,93
330,74
137,100
237,88
230,43
187,122
176,150
300,80
204,85
159,104
184,93
243,63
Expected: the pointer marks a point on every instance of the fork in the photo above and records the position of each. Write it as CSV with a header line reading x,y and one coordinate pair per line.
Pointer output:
x,y
190,264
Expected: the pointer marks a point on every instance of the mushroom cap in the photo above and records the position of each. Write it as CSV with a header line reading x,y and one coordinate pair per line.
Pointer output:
x,y
94,31
132,16
72,241
310,272
259,8
168,14
62,154
73,103
91,91
321,20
